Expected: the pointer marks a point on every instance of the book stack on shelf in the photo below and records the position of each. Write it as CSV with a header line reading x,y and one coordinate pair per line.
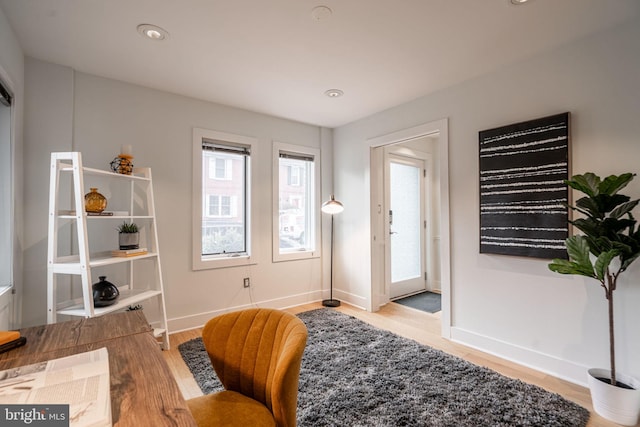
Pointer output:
x,y
129,252
103,213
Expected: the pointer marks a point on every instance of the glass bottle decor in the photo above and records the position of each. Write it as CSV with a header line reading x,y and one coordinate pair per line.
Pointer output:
x,y
94,202
122,164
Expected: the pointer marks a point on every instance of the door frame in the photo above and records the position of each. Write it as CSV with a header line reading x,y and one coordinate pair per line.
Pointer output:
x,y
439,128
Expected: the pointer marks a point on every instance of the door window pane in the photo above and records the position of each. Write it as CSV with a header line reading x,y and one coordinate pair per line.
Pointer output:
x,y
406,251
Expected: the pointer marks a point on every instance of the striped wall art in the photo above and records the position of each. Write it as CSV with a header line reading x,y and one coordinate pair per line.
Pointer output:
x,y
522,192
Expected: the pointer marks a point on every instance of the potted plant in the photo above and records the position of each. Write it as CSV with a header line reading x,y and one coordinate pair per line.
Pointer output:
x,y
609,244
128,236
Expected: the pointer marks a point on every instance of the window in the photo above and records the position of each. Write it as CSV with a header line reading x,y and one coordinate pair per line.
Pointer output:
x,y
6,210
221,232
296,184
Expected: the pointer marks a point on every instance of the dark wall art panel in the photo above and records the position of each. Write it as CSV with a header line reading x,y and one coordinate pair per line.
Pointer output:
x,y
522,191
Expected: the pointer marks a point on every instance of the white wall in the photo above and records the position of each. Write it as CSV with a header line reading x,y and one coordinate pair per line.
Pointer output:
x,y
48,127
509,305
12,73
74,111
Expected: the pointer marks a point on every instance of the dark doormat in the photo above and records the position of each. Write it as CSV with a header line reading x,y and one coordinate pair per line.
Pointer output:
x,y
425,301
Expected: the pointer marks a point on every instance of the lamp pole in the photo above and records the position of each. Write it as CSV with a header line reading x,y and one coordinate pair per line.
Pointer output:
x,y
331,207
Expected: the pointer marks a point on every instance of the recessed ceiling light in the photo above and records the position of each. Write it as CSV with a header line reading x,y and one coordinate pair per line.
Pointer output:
x,y
153,32
320,12
518,2
334,93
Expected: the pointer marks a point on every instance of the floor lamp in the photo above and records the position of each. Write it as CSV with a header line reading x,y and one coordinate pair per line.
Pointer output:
x,y
332,207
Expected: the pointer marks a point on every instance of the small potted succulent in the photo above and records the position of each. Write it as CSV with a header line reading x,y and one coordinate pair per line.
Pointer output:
x,y
128,236
609,244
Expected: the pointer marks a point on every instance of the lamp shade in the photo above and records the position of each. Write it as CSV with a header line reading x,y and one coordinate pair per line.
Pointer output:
x,y
332,206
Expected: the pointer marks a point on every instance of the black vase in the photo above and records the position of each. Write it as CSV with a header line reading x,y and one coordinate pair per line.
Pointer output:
x,y
104,293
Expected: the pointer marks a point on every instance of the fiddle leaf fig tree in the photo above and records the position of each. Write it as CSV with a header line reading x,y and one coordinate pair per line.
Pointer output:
x,y
610,241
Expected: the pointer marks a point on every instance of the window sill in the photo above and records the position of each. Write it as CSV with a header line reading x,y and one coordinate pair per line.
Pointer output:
x,y
213,262
295,255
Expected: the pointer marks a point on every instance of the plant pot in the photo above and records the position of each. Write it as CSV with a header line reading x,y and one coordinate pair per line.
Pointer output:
x,y
617,404
128,240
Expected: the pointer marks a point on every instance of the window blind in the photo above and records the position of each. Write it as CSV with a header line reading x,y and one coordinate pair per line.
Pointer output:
x,y
295,156
209,145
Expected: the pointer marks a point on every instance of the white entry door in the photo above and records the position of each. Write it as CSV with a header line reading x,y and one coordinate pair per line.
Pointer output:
x,y
406,225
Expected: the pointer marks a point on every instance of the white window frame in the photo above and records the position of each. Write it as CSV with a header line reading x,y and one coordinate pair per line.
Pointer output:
x,y
200,262
313,252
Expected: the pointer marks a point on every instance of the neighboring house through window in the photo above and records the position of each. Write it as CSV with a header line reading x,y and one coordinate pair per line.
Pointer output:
x,y
220,167
296,191
295,172
222,229
222,206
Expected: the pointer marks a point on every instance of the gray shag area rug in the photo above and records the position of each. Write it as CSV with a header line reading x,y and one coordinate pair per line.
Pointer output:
x,y
354,374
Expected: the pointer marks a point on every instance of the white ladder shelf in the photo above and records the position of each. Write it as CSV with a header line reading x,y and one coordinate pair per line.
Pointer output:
x,y
79,244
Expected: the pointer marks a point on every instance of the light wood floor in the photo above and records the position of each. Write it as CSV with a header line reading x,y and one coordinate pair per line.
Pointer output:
x,y
421,327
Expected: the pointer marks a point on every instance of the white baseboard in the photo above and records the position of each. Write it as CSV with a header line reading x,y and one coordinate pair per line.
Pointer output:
x,y
355,300
435,286
542,362
178,324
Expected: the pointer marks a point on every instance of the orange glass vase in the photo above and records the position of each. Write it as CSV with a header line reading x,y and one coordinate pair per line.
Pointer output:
x,y
94,202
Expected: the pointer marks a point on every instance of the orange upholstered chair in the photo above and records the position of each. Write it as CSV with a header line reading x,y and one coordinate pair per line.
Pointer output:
x,y
256,353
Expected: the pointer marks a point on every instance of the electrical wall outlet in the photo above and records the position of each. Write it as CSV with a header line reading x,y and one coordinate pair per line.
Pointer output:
x,y
246,282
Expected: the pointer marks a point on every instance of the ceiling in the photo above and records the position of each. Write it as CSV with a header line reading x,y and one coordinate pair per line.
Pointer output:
x,y
276,57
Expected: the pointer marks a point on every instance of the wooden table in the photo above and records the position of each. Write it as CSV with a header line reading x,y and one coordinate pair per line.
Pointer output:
x,y
143,390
